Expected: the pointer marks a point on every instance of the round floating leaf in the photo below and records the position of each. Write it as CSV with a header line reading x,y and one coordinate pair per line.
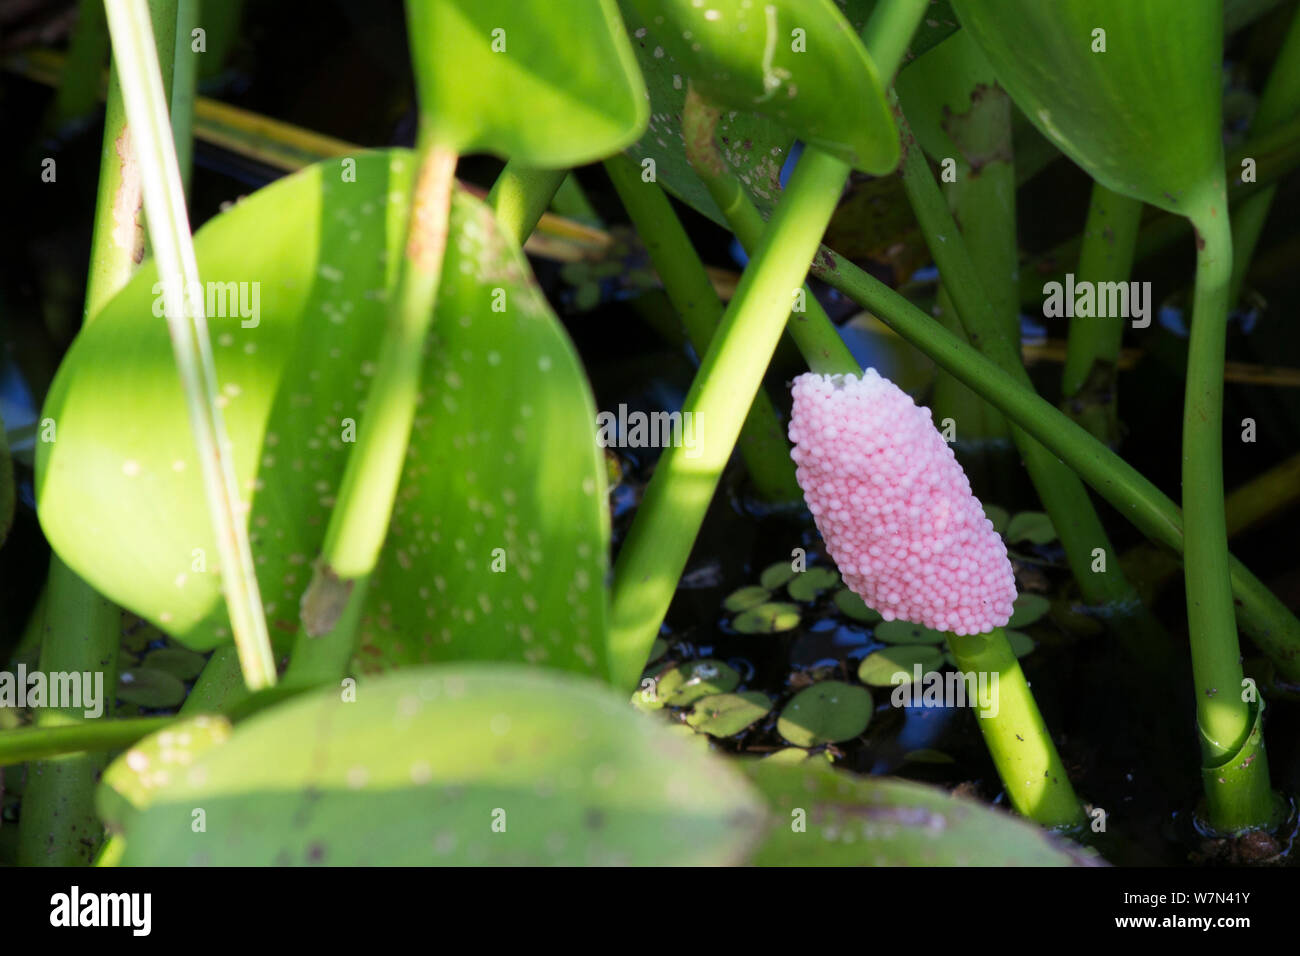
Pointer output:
x,y
491,76
1142,116
745,598
876,821
725,715
1021,643
686,683
129,783
150,688
176,661
905,632
1029,607
853,606
775,575
999,516
768,619
1032,526
881,668
120,493
789,60
482,765
825,713
806,585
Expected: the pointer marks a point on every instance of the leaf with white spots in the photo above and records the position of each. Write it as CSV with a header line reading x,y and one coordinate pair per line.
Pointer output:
x,y
466,765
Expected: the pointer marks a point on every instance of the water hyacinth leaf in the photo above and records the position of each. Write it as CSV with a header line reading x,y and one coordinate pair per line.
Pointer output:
x,y
311,260
775,575
418,769
939,99
1129,91
686,683
526,103
745,598
896,665
129,783
853,606
725,715
877,821
1032,526
825,713
1029,608
177,661
806,585
145,687
773,618
788,60
905,632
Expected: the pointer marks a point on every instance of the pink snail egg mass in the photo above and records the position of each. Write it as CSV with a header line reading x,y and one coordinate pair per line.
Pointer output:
x,y
895,508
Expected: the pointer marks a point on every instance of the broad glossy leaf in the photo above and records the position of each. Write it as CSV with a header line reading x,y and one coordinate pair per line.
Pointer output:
x,y
796,62
878,821
120,494
755,147
939,94
1143,117
547,84
464,765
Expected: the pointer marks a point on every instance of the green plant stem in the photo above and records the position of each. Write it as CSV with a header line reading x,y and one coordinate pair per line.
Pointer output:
x,y
164,201
669,518
1225,720
359,521
79,83
1062,493
1017,738
1280,101
811,330
1088,381
184,88
520,196
762,439
69,740
1261,615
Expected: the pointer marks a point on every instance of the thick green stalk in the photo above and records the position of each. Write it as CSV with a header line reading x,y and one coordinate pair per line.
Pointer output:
x,y
762,439
1062,493
520,196
1280,101
1017,738
68,741
359,521
80,630
1261,615
1088,382
164,202
1225,719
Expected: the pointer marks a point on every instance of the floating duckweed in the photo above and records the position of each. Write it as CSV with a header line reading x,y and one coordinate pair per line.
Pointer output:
x,y
1021,643
146,687
905,632
999,517
884,667
177,661
808,584
687,683
724,715
825,713
1029,608
775,575
745,598
1032,526
854,607
768,619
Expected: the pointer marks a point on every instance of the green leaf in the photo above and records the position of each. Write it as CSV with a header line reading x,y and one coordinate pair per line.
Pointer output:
x,y
150,688
177,661
876,821
1143,117
775,575
1032,526
998,516
746,597
825,713
905,632
806,585
880,668
940,93
853,606
789,60
1029,607
492,75
7,493
466,765
685,684
120,495
768,619
725,715
1021,643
